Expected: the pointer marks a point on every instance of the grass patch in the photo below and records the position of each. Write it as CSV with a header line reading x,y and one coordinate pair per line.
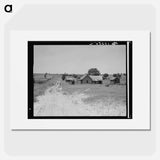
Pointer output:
x,y
113,97
41,84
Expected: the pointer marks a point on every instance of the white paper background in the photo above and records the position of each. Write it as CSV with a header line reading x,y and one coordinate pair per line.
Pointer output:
x,y
107,15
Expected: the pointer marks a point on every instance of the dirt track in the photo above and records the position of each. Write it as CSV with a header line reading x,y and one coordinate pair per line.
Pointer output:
x,y
57,103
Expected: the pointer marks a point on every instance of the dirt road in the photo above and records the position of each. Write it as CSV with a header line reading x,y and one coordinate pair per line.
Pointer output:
x,y
57,103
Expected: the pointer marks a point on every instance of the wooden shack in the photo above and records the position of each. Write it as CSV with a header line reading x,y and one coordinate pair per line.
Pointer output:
x,y
114,80
70,79
91,79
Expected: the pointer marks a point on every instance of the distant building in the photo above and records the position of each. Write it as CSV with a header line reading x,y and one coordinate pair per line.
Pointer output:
x,y
86,79
70,79
113,80
91,79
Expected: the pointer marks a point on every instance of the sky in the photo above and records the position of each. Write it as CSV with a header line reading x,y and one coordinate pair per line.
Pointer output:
x,y
78,59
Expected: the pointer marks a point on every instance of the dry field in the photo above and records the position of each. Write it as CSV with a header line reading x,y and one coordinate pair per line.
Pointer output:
x,y
41,84
51,99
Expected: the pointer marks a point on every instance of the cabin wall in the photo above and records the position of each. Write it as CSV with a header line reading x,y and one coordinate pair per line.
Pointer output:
x,y
86,80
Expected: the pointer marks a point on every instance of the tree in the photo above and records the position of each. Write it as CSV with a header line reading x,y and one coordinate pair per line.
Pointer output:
x,y
118,75
105,76
94,71
45,75
75,75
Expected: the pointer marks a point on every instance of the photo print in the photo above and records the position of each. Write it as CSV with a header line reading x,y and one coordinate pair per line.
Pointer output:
x,y
80,80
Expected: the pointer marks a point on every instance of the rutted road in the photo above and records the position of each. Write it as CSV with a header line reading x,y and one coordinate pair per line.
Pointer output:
x,y
56,103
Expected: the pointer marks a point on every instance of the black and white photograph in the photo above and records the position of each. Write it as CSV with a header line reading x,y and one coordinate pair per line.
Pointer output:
x,y
80,79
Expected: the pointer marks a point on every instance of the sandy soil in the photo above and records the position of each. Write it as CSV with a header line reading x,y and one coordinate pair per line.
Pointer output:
x,y
55,102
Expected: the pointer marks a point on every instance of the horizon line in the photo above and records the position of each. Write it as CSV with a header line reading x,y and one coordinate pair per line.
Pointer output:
x,y
77,73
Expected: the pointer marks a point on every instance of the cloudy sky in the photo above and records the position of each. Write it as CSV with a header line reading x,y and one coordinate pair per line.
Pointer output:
x,y
79,58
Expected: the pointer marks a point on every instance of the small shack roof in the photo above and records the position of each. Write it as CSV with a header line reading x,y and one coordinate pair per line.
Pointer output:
x,y
93,78
69,78
111,78
96,78
83,76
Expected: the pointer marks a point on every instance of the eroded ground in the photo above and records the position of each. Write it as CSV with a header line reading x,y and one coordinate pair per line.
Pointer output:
x,y
81,100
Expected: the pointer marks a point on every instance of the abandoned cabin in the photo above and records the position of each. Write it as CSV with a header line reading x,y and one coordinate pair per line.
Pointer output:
x,y
70,79
114,80
91,79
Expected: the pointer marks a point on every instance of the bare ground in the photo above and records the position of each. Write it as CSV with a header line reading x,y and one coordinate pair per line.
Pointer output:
x,y
81,100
